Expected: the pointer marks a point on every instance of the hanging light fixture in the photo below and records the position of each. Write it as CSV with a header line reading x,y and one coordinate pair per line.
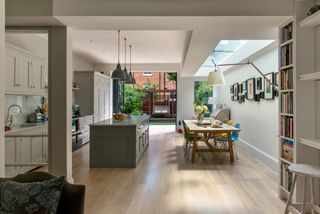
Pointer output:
x,y
118,73
133,80
216,77
128,77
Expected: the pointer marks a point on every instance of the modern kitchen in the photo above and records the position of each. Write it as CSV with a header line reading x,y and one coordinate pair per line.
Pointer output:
x,y
116,139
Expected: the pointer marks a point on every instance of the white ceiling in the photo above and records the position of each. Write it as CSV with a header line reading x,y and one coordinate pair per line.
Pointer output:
x,y
100,46
184,40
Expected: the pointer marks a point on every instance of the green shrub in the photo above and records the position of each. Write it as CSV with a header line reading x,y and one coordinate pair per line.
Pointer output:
x,y
133,100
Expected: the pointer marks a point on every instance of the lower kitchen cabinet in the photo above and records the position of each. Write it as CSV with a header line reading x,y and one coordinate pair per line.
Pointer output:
x,y
26,150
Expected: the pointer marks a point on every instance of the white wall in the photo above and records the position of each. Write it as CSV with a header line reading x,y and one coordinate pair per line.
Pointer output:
x,y
185,96
81,64
2,45
259,120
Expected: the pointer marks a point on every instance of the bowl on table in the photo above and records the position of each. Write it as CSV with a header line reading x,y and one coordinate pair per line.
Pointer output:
x,y
119,116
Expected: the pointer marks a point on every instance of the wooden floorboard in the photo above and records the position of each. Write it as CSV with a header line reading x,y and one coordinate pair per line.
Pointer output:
x,y
164,182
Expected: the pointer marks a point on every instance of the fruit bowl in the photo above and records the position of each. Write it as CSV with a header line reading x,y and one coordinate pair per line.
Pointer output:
x,y
119,116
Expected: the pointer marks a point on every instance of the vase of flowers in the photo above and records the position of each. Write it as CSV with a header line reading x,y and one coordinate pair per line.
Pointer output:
x,y
200,110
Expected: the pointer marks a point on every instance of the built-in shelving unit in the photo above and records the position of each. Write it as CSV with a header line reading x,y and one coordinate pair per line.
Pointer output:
x,y
286,106
312,76
299,104
313,142
311,21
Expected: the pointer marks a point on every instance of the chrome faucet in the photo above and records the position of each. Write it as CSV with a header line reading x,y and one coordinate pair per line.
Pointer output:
x,y
10,117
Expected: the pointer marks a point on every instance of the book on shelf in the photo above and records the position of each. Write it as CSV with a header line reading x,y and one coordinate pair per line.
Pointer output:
x,y
287,127
286,142
286,55
286,79
286,33
286,177
287,153
286,103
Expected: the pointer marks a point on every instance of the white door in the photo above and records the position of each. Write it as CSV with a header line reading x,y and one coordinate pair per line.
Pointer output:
x,y
96,99
35,76
22,73
107,98
10,69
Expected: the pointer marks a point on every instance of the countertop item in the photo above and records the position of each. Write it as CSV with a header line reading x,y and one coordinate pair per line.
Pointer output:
x,y
129,121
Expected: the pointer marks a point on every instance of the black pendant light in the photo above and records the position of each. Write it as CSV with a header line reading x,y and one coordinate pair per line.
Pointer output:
x,y
118,73
133,80
128,77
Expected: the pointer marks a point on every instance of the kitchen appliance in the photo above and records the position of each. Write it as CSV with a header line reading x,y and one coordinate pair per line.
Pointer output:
x,y
76,110
34,117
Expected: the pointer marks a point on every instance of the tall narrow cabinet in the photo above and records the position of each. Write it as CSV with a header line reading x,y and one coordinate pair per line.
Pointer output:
x,y
95,94
299,123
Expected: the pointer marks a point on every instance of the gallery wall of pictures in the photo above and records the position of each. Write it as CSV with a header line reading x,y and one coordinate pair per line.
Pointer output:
x,y
255,89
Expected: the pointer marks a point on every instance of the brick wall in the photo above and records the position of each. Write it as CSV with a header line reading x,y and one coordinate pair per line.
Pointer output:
x,y
156,78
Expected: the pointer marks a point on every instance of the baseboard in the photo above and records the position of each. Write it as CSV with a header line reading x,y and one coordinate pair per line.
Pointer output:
x,y
265,158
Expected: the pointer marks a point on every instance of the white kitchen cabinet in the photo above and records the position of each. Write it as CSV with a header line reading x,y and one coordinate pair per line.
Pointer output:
x,y
35,76
10,69
22,72
94,95
22,150
25,72
11,156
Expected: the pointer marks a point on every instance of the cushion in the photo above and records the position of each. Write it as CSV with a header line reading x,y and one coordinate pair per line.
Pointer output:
x,y
35,197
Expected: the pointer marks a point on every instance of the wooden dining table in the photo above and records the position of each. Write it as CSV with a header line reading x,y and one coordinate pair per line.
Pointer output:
x,y
210,131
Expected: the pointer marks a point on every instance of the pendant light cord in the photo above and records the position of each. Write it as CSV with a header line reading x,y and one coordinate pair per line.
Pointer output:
x,y
118,46
125,52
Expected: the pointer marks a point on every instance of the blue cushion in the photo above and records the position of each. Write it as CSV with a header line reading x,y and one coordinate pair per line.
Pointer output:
x,y
36,197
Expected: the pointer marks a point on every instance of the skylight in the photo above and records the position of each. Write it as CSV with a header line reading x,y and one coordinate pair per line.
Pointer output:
x,y
231,51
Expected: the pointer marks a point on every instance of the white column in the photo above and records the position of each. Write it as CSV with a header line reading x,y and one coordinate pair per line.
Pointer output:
x,y
60,103
2,73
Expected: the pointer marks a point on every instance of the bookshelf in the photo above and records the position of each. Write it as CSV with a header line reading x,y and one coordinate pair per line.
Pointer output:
x,y
299,100
286,105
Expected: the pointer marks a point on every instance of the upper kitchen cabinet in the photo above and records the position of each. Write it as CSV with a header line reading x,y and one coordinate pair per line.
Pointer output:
x,y
25,72
94,96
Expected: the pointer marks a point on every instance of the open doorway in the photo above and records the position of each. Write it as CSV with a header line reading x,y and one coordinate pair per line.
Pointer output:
x,y
159,95
26,101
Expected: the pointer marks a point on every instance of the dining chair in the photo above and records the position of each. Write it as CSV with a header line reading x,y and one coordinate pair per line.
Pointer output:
x,y
234,138
188,138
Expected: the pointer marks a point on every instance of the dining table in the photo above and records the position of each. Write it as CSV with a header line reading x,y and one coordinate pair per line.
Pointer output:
x,y
211,130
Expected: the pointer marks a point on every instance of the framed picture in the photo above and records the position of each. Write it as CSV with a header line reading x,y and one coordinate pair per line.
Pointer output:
x,y
259,84
231,89
251,89
240,90
244,89
236,91
277,79
268,88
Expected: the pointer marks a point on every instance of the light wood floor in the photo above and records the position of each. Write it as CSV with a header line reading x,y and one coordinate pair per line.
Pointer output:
x,y
165,183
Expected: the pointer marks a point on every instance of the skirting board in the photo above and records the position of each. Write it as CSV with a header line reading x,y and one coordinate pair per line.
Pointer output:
x,y
265,158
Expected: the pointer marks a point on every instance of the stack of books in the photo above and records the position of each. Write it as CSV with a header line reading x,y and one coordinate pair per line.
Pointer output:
x,y
287,150
286,127
286,178
286,79
286,55
286,33
286,103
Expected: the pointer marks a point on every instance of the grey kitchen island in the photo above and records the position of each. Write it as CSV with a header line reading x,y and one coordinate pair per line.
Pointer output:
x,y
118,144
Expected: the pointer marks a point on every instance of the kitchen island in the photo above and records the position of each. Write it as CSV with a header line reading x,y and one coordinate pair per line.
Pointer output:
x,y
118,144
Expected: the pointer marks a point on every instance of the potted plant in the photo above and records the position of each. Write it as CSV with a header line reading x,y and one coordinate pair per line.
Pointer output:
x,y
200,111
